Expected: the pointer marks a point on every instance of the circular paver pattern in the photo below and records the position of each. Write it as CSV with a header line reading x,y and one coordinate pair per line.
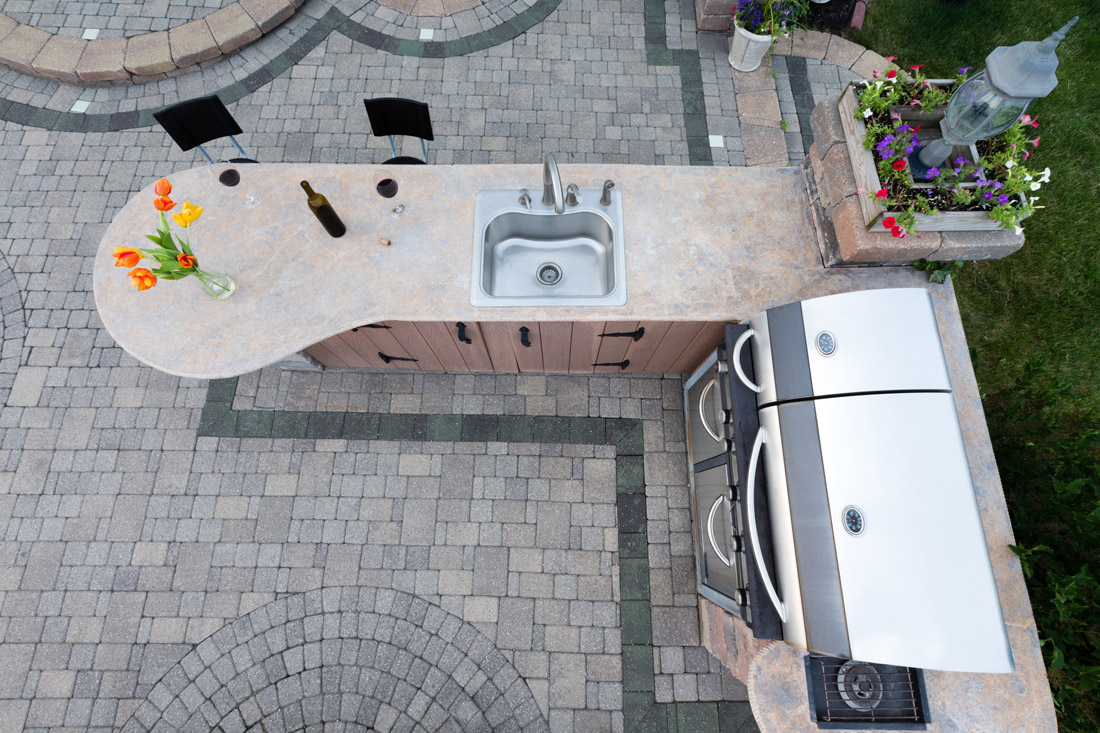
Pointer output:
x,y
342,659
431,7
111,19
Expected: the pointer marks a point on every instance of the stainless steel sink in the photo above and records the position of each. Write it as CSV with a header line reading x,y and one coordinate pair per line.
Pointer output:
x,y
538,257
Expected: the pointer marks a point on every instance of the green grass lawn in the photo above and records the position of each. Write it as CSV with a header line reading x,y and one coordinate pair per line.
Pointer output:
x,y
1033,319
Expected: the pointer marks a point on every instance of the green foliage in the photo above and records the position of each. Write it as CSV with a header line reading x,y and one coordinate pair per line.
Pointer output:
x,y
1051,471
938,270
1032,317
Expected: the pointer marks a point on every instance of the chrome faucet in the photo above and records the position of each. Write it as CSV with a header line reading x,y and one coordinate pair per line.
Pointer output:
x,y
524,198
551,184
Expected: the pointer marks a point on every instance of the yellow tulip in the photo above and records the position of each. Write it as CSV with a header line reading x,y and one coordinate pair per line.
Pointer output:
x,y
188,215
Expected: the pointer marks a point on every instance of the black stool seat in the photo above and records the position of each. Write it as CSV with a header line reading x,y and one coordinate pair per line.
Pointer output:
x,y
198,121
404,160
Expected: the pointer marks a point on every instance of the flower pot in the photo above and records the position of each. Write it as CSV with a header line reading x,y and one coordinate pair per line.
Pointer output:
x,y
747,49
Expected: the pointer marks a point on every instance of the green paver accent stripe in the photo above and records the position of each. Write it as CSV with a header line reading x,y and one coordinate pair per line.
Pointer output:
x,y
691,81
641,711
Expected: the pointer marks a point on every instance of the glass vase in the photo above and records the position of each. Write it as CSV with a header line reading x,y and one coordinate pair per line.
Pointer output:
x,y
217,286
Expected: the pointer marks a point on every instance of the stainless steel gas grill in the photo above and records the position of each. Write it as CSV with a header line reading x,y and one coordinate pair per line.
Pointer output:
x,y
852,515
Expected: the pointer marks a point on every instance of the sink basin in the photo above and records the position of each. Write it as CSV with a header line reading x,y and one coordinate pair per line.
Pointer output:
x,y
537,257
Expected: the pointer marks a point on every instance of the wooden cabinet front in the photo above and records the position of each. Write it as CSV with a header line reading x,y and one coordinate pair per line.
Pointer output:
x,y
581,347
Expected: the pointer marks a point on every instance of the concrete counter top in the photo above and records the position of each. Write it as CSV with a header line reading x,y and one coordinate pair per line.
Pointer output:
x,y
702,244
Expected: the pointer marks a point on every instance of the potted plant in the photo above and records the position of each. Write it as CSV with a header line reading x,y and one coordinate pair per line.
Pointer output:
x,y
981,187
756,26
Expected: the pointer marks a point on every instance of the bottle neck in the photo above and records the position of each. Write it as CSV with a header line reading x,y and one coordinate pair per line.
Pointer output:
x,y
309,189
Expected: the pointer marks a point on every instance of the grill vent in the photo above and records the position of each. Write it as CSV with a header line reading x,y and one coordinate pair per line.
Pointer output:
x,y
852,694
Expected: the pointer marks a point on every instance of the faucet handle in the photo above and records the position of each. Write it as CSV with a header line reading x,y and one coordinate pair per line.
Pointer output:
x,y
605,200
524,198
571,195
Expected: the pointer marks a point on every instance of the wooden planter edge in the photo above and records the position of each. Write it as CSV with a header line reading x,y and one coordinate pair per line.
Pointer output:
x,y
866,176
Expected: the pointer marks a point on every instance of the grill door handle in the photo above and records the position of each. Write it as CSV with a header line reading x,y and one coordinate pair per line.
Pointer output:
x,y
710,531
703,412
737,361
754,459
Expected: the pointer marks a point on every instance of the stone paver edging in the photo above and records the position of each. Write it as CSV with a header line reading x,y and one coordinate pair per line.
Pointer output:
x,y
142,58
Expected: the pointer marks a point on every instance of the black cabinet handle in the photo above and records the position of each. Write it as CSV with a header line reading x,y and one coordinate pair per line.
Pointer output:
x,y
636,335
621,364
388,359
523,339
462,333
371,325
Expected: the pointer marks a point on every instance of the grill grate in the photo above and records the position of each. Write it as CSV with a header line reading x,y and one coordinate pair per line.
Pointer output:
x,y
850,692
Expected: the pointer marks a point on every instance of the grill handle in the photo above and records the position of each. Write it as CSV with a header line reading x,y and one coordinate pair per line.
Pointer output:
x,y
736,359
703,415
710,531
754,459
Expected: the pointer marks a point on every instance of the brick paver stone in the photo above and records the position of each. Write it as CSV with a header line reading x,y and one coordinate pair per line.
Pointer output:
x,y
191,43
59,57
232,27
19,47
104,59
268,14
149,54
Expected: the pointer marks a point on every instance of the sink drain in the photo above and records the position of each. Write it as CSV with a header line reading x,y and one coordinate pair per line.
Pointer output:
x,y
549,273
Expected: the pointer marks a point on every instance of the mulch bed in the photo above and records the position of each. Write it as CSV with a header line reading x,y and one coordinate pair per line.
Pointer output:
x,y
831,17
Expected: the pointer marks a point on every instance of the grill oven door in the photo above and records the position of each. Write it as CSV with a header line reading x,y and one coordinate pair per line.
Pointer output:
x,y
718,536
707,411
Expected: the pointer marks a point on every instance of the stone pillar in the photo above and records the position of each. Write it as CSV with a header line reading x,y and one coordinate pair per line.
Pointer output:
x,y
713,15
728,639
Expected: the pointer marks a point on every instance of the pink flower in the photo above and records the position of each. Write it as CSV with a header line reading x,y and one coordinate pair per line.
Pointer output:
x,y
874,73
914,102
891,74
898,232
895,116
890,222
1029,120
915,67
882,193
891,58
1035,142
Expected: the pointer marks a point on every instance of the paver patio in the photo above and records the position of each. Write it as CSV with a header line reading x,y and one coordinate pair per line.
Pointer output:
x,y
530,528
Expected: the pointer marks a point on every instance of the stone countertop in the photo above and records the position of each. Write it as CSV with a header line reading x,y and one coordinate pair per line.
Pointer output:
x,y
702,244
1020,701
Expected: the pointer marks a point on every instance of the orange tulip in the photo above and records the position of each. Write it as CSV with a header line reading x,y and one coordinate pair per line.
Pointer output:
x,y
126,257
163,203
142,279
186,260
162,187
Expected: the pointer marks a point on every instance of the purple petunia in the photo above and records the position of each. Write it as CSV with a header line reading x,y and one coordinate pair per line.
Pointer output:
x,y
987,195
1002,199
998,185
932,172
965,69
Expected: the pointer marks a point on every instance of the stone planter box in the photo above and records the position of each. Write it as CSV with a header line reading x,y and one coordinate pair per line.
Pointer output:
x,y
866,173
841,212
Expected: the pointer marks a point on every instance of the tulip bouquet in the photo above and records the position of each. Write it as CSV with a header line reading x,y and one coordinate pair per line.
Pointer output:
x,y
173,255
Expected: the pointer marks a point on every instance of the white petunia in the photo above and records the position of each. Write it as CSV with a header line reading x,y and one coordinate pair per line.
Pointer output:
x,y
867,112
1046,176
1035,185
1019,229
1010,163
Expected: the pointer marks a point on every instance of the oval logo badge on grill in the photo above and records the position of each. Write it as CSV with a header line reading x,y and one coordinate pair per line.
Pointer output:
x,y
853,521
826,343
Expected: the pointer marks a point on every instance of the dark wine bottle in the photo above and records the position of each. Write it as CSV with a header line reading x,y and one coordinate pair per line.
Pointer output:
x,y
324,212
